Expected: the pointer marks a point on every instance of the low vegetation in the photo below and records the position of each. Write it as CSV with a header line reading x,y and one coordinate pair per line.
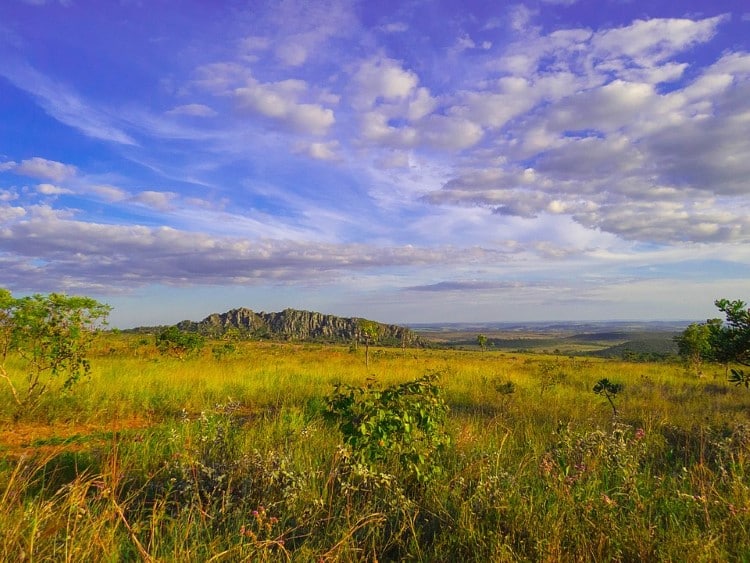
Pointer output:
x,y
273,451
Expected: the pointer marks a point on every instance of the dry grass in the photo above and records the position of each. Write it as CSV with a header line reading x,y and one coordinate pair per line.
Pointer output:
x,y
154,458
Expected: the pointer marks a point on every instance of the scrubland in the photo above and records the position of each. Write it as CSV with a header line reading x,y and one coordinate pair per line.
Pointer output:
x,y
233,459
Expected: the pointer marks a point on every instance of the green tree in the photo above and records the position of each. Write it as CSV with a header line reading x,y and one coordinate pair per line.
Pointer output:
x,y
178,343
51,335
482,341
369,332
730,340
694,345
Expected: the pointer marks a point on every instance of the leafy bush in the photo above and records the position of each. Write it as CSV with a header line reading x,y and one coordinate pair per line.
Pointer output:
x,y
402,422
178,343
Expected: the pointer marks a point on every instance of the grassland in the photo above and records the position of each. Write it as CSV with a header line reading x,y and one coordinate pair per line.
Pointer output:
x,y
157,459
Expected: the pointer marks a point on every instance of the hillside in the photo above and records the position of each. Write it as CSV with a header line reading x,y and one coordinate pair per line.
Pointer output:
x,y
292,324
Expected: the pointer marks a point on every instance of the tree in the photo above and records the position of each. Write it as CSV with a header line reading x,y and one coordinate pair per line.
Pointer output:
x,y
482,341
730,341
51,335
694,345
369,331
178,343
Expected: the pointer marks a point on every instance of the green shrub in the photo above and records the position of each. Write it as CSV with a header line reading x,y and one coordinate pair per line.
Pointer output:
x,y
401,422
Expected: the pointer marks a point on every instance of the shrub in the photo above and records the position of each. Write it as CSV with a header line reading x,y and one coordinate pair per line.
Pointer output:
x,y
401,422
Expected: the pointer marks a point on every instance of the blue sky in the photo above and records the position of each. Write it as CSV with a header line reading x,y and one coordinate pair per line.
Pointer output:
x,y
402,161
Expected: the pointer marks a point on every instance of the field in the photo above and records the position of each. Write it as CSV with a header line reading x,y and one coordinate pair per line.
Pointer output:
x,y
232,458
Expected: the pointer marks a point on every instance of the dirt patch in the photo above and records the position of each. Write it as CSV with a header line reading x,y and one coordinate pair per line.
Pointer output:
x,y
32,437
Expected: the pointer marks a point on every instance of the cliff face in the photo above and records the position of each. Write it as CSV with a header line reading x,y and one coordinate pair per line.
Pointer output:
x,y
291,324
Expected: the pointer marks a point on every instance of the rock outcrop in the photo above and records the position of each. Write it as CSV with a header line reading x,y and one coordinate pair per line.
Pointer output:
x,y
291,324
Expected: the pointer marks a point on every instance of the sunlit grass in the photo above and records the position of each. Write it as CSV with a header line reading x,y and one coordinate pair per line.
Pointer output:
x,y
154,458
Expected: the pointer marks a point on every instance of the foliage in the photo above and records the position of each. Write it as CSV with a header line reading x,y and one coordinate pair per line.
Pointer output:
x,y
369,331
609,391
223,350
178,343
402,421
739,377
52,335
694,344
482,341
730,341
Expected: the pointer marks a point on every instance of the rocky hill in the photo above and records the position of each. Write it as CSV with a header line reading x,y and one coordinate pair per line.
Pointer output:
x,y
291,324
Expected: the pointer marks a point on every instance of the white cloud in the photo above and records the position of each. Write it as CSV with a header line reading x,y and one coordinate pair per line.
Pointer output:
x,y
109,193
375,127
279,101
393,160
8,195
9,214
220,78
51,189
93,254
161,201
322,151
292,53
381,80
649,42
451,133
42,168
194,110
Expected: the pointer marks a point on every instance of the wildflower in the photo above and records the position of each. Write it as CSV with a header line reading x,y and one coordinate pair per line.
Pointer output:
x,y
639,434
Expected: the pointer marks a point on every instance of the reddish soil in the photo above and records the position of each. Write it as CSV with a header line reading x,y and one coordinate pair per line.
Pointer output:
x,y
21,438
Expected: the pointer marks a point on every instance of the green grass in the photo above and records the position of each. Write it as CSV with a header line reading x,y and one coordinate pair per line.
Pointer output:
x,y
232,460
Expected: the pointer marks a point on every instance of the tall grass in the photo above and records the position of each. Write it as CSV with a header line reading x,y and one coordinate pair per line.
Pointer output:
x,y
232,460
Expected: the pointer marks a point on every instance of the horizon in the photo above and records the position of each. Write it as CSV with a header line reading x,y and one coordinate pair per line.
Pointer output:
x,y
540,160
441,323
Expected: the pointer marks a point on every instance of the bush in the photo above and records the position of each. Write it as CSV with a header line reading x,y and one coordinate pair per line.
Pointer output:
x,y
401,422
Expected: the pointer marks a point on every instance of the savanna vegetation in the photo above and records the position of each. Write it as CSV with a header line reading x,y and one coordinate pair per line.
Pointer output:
x,y
162,448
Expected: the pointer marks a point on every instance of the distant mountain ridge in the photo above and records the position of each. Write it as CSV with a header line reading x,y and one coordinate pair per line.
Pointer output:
x,y
293,324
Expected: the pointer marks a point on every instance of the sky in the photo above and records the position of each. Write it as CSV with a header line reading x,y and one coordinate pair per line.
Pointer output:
x,y
406,161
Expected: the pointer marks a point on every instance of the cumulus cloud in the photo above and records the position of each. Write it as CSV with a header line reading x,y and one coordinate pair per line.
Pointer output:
x,y
279,101
42,168
381,79
608,148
